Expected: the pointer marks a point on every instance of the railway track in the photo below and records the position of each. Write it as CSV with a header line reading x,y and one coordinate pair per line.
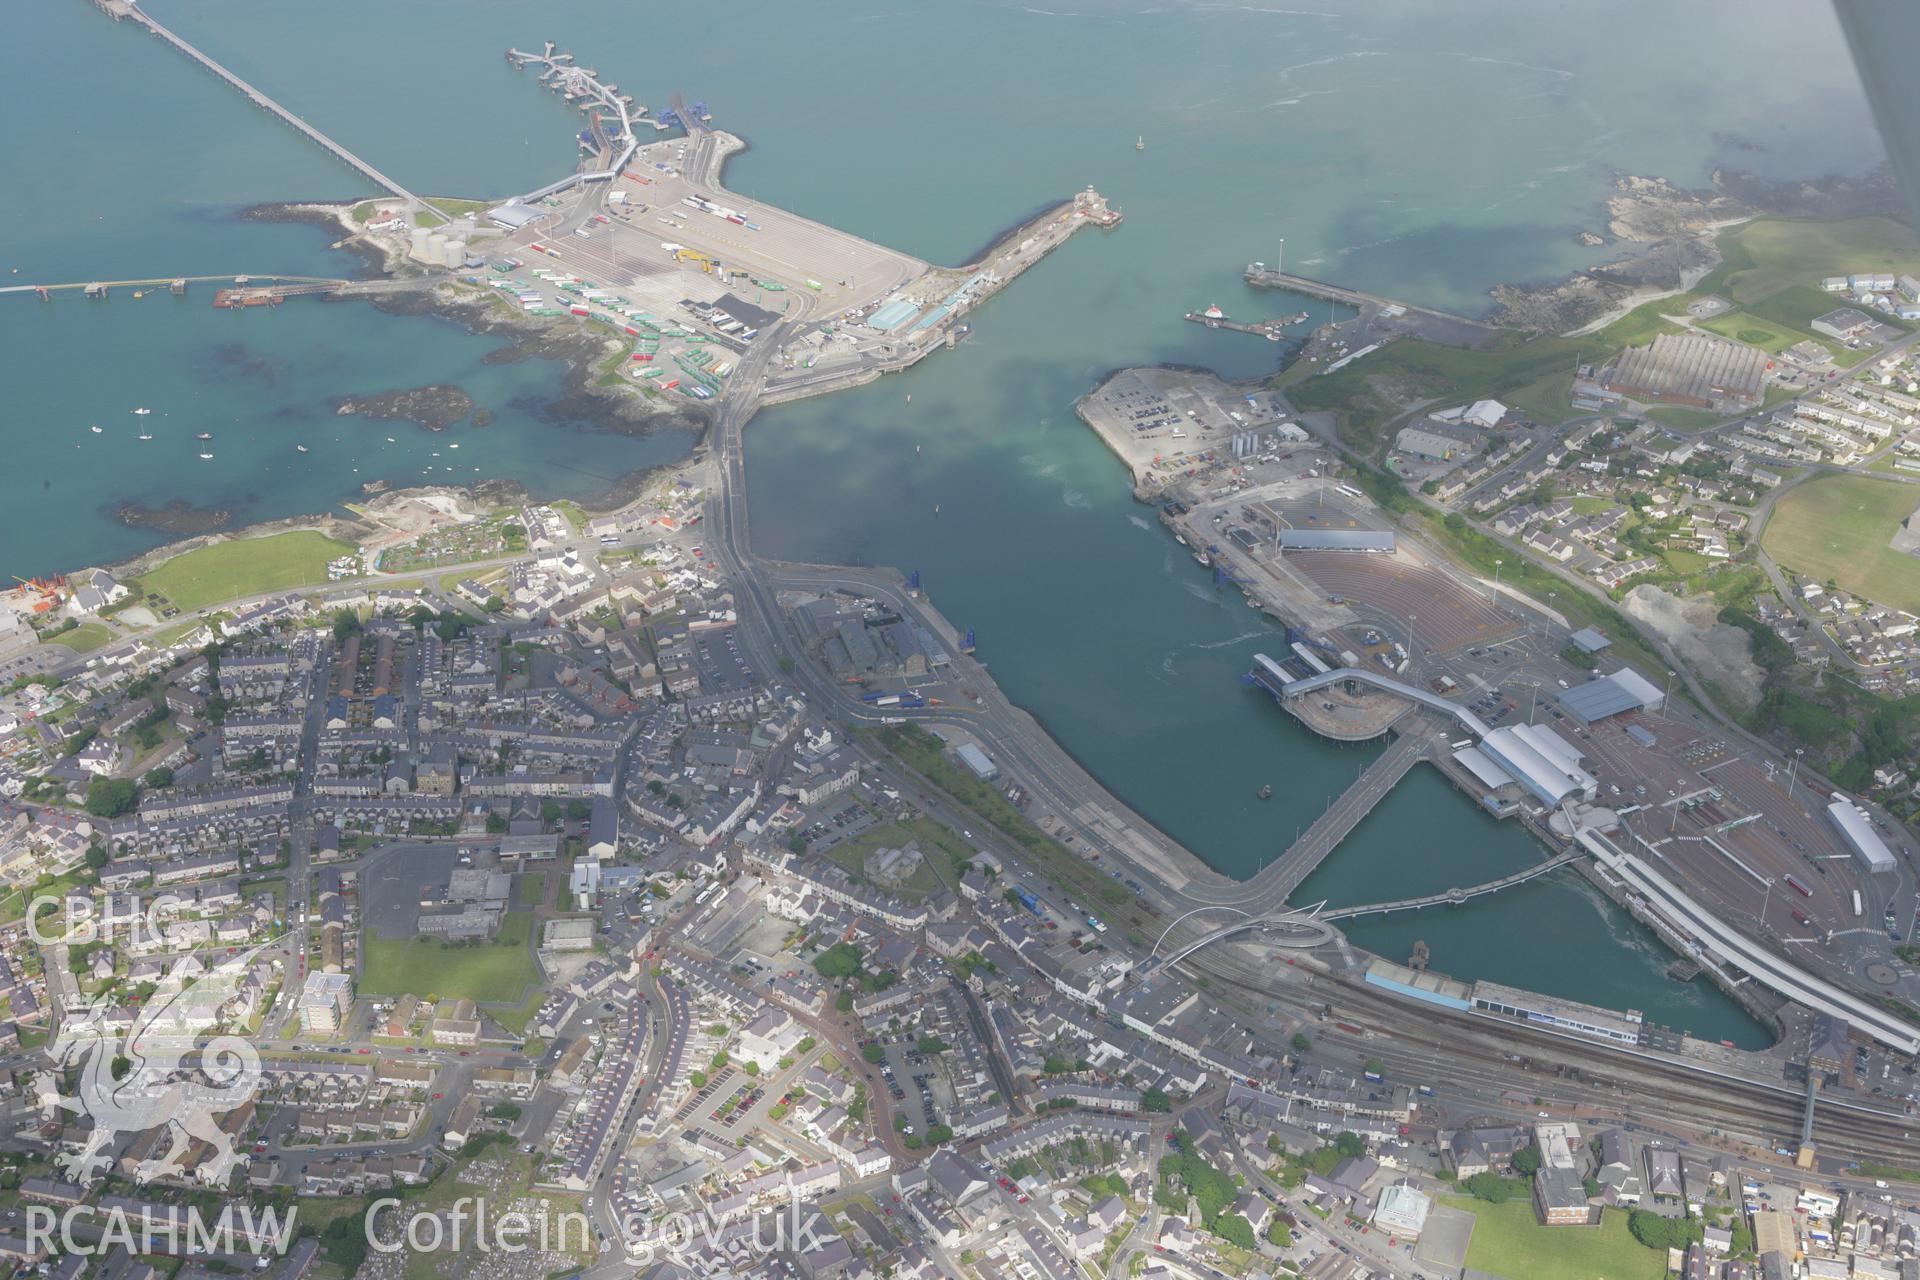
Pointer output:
x,y
1524,1068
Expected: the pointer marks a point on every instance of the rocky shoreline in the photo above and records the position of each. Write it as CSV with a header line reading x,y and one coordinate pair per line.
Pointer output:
x,y
434,407
1666,234
178,517
437,406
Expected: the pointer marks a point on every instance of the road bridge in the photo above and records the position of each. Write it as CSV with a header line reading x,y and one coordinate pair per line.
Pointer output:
x,y
1273,884
1291,929
261,100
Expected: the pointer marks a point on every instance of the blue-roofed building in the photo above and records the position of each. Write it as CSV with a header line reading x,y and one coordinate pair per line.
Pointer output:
x,y
933,317
1624,690
1381,540
892,316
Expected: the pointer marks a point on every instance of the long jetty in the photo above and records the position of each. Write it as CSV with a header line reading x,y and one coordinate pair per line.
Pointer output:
x,y
261,100
1426,322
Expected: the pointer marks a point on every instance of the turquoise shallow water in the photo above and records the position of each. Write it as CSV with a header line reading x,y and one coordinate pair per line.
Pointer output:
x,y
1423,152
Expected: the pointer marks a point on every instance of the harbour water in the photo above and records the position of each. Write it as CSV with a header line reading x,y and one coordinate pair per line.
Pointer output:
x,y
1428,154
1557,934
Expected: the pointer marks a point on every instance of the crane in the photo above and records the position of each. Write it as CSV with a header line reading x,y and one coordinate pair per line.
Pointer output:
x,y
1223,574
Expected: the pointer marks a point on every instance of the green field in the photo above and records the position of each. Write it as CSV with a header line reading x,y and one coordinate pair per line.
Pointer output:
x,y
449,206
1508,1242
1763,257
1798,307
244,567
1837,528
1755,331
499,971
85,638
1682,418
934,871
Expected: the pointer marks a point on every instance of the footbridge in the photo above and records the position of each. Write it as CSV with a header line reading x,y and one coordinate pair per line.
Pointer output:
x,y
1399,688
262,101
1307,927
1454,897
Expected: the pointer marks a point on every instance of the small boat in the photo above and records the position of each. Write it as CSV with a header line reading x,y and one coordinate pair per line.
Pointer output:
x,y
94,429
142,412
204,435
1265,792
936,508
453,446
206,457
299,448
909,397
391,440
1140,143
146,435
916,448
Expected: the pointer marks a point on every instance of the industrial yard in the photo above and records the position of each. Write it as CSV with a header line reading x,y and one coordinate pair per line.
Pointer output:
x,y
1168,425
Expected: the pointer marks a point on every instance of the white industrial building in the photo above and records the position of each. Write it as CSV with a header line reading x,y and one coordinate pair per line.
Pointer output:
x,y
978,761
513,215
1860,835
1726,945
1541,761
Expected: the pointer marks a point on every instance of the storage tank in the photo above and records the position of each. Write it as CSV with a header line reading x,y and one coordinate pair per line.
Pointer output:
x,y
417,243
455,253
436,249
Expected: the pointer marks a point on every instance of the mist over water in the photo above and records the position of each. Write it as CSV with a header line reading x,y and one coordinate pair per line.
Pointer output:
x,y
1415,150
